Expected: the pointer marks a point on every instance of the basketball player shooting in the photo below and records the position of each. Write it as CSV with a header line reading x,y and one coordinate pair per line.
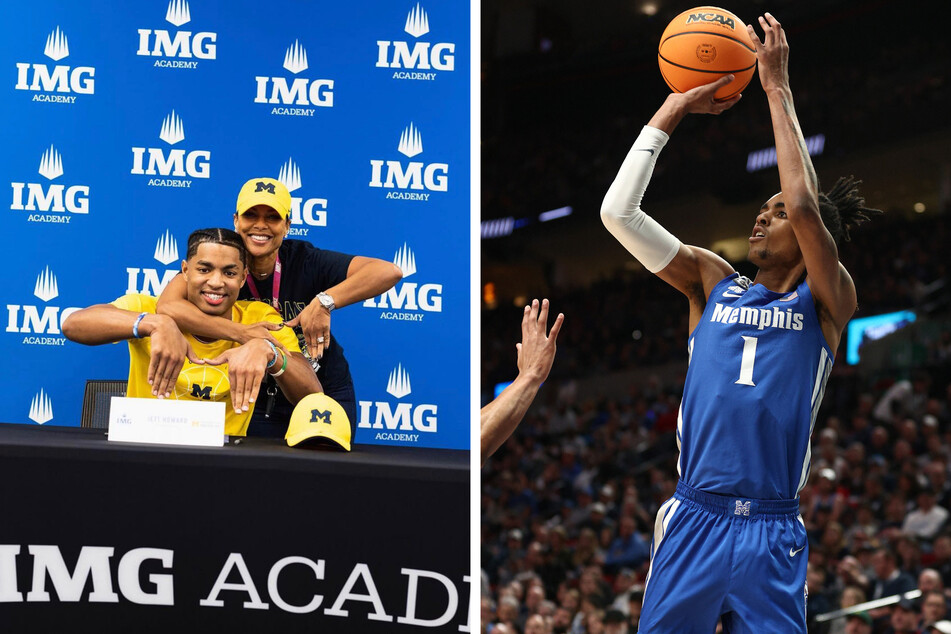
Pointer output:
x,y
730,544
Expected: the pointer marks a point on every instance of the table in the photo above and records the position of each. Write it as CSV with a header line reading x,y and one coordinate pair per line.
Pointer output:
x,y
258,536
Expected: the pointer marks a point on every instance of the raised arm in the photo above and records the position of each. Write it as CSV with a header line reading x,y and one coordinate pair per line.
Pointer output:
x,y
829,282
174,303
691,270
536,353
366,277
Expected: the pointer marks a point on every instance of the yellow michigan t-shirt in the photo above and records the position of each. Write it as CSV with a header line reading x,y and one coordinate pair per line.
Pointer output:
x,y
200,382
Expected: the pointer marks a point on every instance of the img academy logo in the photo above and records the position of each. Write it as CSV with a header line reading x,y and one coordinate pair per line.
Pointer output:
x,y
178,161
40,325
41,408
418,60
305,212
407,301
57,201
401,421
55,86
302,91
413,180
145,280
181,50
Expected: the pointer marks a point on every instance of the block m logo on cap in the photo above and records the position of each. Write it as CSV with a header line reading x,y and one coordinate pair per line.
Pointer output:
x,y
261,186
319,418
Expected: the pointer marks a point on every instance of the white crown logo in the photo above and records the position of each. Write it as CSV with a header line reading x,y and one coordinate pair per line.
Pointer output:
x,y
295,59
172,130
411,143
406,260
57,46
178,13
41,409
290,175
166,249
46,287
417,22
398,385
51,164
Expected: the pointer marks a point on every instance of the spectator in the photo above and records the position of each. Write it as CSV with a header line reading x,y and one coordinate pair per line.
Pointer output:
x,y
851,596
624,587
933,608
507,613
858,623
536,624
627,550
904,618
930,581
615,622
634,603
889,579
941,551
926,520
561,621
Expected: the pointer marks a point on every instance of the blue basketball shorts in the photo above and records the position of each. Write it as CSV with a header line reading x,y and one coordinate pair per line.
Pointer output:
x,y
715,556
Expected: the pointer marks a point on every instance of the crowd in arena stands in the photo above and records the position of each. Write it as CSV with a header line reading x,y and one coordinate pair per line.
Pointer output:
x,y
568,503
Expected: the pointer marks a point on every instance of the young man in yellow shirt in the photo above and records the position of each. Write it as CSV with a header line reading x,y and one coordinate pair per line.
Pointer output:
x,y
165,363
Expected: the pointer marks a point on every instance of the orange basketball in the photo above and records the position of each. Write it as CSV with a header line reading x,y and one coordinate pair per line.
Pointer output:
x,y
703,44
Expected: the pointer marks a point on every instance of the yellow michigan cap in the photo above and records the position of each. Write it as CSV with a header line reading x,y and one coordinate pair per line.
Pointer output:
x,y
265,191
319,416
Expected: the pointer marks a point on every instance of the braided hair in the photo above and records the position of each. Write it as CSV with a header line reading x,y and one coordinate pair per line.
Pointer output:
x,y
843,208
226,237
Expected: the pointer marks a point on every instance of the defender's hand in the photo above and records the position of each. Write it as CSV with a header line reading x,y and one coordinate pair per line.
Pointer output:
x,y
536,352
772,53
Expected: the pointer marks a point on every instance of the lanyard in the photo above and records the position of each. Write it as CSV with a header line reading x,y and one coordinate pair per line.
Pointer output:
x,y
275,292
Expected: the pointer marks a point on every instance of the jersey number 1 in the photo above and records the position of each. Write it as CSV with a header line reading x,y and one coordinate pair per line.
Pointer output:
x,y
746,365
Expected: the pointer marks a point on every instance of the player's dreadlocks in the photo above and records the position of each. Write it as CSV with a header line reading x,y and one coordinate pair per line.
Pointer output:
x,y
843,208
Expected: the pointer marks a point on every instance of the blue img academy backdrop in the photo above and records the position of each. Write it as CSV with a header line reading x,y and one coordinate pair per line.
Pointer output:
x,y
128,125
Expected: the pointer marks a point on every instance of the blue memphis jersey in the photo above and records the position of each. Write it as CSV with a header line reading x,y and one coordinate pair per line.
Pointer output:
x,y
758,368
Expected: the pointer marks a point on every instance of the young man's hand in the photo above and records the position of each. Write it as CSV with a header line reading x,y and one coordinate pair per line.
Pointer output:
x,y
169,349
246,367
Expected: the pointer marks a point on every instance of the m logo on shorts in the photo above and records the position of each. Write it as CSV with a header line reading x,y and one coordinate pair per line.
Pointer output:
x,y
742,508
317,416
204,393
265,187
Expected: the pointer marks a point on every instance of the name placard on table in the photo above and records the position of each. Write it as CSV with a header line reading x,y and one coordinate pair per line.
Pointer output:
x,y
167,422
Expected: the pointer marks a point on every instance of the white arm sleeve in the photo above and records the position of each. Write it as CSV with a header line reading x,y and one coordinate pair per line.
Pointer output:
x,y
641,235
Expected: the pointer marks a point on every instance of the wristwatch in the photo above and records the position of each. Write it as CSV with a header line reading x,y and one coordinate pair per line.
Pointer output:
x,y
326,301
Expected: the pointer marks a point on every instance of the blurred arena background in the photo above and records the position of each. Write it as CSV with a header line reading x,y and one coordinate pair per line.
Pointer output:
x,y
568,502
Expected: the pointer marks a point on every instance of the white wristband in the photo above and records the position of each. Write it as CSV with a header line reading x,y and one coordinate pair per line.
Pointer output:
x,y
641,235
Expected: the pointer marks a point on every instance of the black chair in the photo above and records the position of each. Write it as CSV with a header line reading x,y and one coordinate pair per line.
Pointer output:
x,y
96,401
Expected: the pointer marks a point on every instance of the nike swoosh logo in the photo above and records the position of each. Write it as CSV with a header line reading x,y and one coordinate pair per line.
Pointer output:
x,y
643,150
725,294
793,553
